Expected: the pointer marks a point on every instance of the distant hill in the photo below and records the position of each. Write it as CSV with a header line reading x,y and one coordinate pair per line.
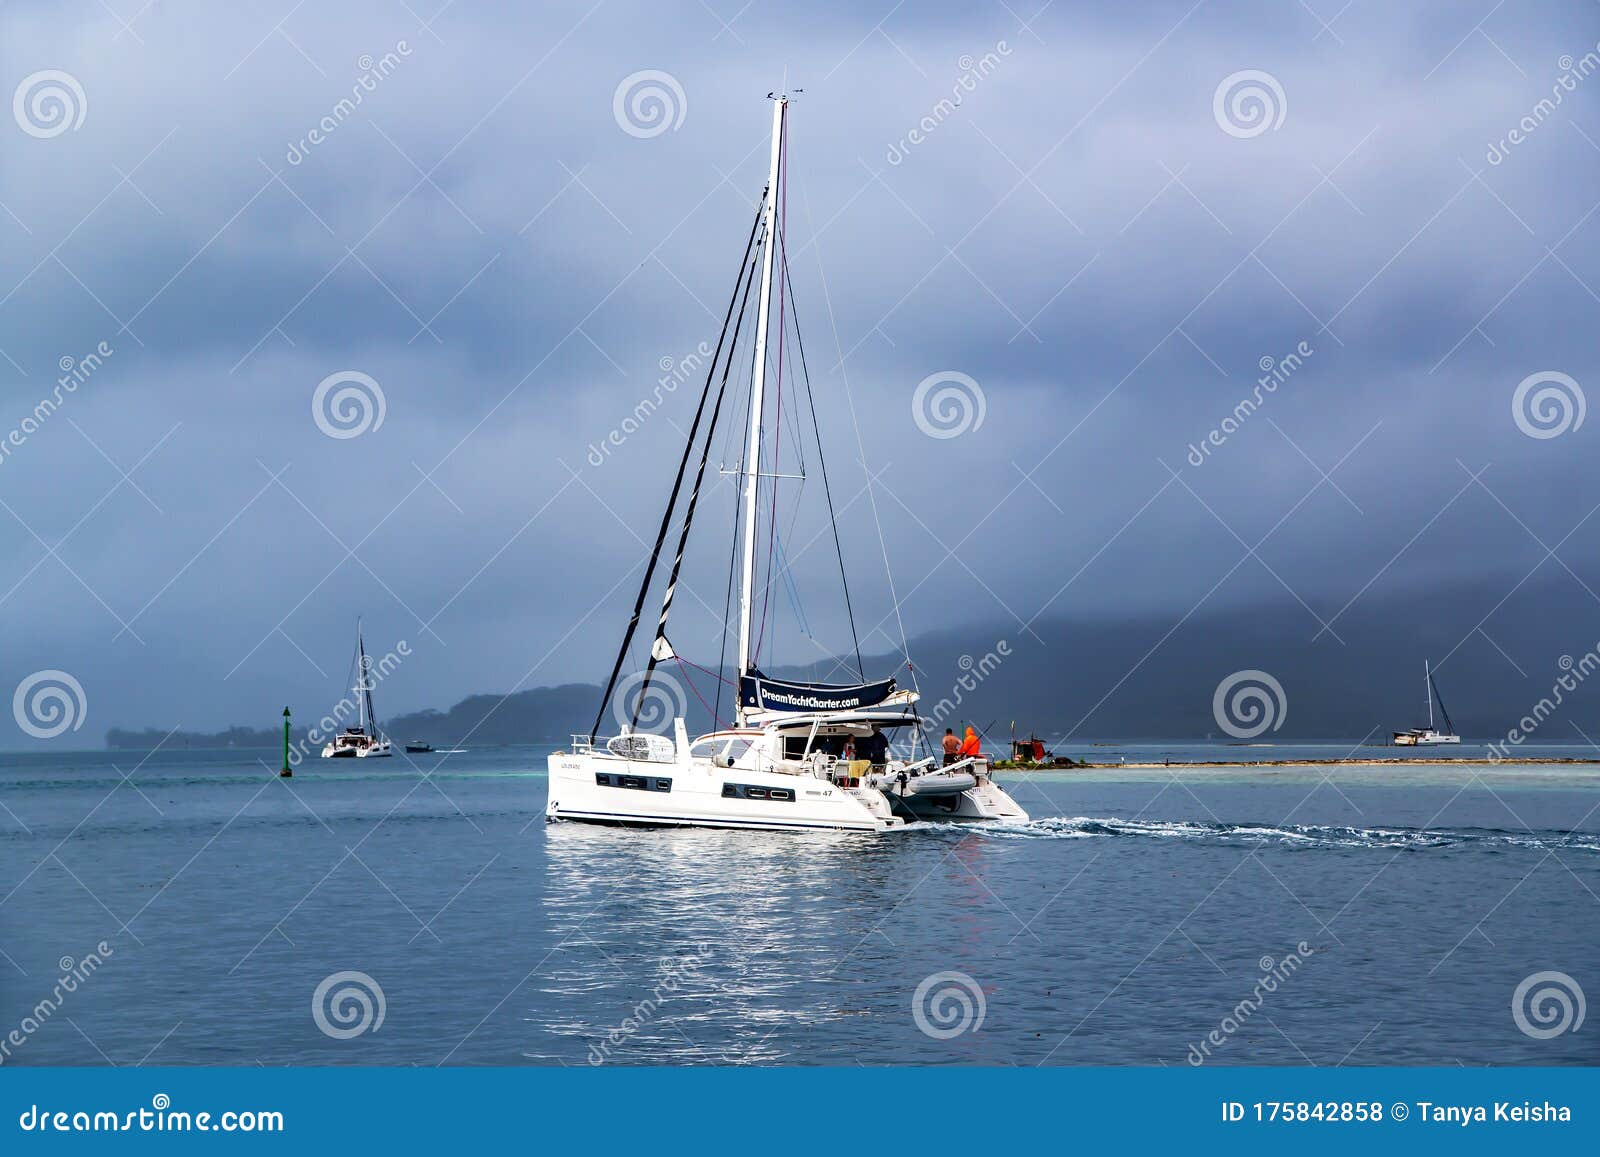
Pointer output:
x,y
1154,677
538,715
152,737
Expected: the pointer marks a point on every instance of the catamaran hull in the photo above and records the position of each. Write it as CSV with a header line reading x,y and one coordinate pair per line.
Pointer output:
x,y
377,751
605,789
986,801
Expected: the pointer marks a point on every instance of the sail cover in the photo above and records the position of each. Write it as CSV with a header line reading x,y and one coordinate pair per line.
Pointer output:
x,y
760,693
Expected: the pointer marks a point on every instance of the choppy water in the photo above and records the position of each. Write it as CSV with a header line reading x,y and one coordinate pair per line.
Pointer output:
x,y
1123,925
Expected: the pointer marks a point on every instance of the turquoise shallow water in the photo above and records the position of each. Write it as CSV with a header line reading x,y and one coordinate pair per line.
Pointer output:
x,y
1124,925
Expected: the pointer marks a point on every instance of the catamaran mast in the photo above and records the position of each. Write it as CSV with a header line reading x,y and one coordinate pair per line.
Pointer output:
x,y
1427,689
363,683
752,458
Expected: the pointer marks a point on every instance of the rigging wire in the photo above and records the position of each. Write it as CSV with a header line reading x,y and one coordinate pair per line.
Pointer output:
x,y
822,464
872,496
694,500
672,500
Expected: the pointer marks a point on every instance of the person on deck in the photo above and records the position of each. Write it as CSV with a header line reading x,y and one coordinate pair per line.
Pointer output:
x,y
970,746
952,745
875,748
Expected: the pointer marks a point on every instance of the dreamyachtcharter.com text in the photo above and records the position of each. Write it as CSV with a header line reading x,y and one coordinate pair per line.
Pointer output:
x,y
160,1117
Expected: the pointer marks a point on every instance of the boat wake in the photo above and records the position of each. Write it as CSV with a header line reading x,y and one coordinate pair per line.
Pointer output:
x,y
1289,835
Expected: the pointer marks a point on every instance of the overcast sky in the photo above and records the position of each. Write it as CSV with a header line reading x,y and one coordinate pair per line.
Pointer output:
x,y
1096,234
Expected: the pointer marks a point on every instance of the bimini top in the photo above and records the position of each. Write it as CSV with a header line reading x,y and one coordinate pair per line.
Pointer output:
x,y
759,693
839,722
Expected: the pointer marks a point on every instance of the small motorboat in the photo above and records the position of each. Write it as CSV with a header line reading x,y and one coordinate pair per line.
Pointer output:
x,y
962,791
937,782
417,747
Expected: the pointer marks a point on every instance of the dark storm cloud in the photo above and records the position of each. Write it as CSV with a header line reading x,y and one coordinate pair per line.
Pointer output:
x,y
1078,235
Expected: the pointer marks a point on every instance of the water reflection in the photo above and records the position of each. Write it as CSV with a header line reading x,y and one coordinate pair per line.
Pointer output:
x,y
790,932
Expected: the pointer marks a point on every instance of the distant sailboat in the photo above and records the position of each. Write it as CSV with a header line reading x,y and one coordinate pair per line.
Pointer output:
x,y
1427,736
365,740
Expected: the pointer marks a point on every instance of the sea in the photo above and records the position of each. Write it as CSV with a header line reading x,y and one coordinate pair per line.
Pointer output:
x,y
194,908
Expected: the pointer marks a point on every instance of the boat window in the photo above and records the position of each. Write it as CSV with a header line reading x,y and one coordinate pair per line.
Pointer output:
x,y
751,791
635,782
706,748
739,747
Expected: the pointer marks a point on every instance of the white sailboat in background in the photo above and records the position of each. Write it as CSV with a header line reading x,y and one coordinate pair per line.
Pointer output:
x,y
785,762
1427,736
365,740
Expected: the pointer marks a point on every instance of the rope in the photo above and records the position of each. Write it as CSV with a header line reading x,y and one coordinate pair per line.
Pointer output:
x,y
672,501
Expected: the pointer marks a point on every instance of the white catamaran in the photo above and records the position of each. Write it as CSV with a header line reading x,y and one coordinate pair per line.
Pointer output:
x,y
1427,736
786,761
365,740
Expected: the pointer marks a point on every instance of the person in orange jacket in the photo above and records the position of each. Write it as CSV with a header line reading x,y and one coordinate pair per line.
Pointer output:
x,y
970,745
